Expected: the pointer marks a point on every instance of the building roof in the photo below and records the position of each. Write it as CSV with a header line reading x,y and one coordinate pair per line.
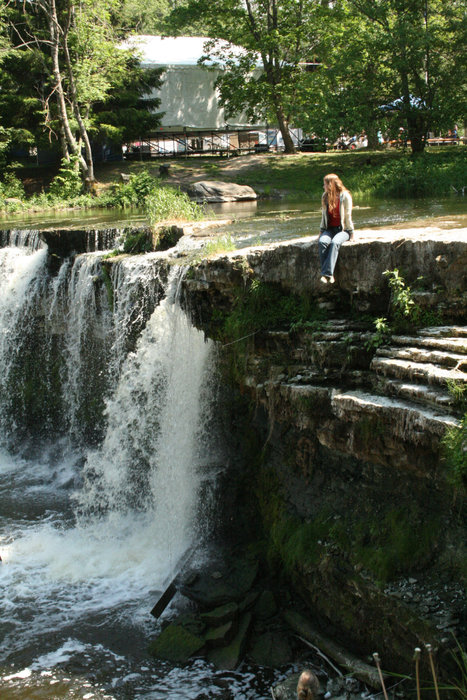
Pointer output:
x,y
189,99
170,51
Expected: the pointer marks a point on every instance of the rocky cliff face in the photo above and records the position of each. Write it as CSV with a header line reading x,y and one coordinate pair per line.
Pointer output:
x,y
340,445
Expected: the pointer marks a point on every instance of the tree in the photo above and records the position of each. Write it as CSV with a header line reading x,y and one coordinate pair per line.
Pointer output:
x,y
276,38
143,16
392,64
79,66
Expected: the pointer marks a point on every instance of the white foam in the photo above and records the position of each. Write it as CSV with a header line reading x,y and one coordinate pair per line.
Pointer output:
x,y
25,673
60,656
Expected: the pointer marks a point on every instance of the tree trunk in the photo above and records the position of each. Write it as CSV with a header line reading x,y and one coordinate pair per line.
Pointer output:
x,y
372,135
62,138
416,132
72,145
284,129
89,173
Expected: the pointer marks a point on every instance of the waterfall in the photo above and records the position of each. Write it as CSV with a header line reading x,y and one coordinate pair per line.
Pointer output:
x,y
20,238
22,278
101,348
154,443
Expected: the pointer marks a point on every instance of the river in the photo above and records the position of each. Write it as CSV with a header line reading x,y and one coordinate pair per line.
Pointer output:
x,y
269,219
94,517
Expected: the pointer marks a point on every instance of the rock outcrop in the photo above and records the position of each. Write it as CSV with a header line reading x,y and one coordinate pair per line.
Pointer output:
x,y
345,427
214,191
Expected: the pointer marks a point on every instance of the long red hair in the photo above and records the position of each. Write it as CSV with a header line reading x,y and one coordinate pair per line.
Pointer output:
x,y
335,187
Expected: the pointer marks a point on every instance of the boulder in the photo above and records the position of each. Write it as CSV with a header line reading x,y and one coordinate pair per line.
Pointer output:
x,y
214,191
215,588
229,657
176,644
219,616
220,636
266,605
271,649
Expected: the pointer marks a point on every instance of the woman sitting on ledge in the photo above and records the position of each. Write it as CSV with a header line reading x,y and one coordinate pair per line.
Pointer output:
x,y
336,224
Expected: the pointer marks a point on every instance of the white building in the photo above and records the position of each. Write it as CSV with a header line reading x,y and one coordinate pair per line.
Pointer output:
x,y
193,120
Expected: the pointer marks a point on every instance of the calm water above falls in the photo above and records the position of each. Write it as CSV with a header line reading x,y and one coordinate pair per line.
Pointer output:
x,y
272,220
89,537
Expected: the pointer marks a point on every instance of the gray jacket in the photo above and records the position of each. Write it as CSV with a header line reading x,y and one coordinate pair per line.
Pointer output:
x,y
345,200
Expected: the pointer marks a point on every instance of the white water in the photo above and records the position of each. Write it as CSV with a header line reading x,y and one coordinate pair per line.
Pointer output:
x,y
89,538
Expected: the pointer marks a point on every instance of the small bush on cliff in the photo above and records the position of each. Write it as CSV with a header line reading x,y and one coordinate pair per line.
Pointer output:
x,y
454,446
403,308
265,306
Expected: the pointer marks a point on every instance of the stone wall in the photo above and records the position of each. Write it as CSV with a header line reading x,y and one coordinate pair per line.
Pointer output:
x,y
345,469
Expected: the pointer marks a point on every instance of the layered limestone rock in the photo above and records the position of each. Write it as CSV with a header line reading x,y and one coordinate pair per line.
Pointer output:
x,y
215,191
353,492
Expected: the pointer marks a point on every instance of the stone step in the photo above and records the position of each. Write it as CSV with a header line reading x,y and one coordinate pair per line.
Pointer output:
x,y
407,419
416,371
446,343
416,354
419,393
444,332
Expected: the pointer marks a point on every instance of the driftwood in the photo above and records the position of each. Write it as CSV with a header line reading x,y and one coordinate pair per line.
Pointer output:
x,y
172,587
354,665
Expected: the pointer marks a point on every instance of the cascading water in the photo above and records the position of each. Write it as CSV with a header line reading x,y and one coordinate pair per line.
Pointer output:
x,y
90,535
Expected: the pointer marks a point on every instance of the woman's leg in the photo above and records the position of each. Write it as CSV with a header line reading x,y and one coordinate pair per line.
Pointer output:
x,y
333,251
324,242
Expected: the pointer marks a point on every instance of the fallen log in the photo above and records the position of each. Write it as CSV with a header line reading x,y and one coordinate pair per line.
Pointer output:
x,y
168,593
364,672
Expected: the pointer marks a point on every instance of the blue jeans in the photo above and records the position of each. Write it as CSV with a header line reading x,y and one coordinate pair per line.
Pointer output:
x,y
328,245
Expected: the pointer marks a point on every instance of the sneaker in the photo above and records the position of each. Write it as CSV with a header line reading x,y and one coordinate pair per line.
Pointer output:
x,y
323,279
331,280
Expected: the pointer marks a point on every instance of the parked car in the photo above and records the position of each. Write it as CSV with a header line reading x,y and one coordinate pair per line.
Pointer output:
x,y
312,145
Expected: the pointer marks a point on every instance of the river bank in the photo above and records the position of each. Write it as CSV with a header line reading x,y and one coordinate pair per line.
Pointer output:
x,y
379,174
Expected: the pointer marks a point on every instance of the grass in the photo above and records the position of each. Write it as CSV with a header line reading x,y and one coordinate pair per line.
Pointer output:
x,y
383,174
365,173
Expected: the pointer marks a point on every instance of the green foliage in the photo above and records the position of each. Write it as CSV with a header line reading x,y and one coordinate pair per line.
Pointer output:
x,y
144,16
390,543
381,335
137,242
276,35
397,542
454,450
11,186
386,65
458,391
67,183
405,313
224,244
380,174
134,192
73,51
108,284
427,175
166,203
459,683
265,306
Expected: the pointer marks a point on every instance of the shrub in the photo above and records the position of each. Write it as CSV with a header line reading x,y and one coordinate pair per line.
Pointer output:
x,y
166,203
11,186
429,174
454,448
67,183
134,192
